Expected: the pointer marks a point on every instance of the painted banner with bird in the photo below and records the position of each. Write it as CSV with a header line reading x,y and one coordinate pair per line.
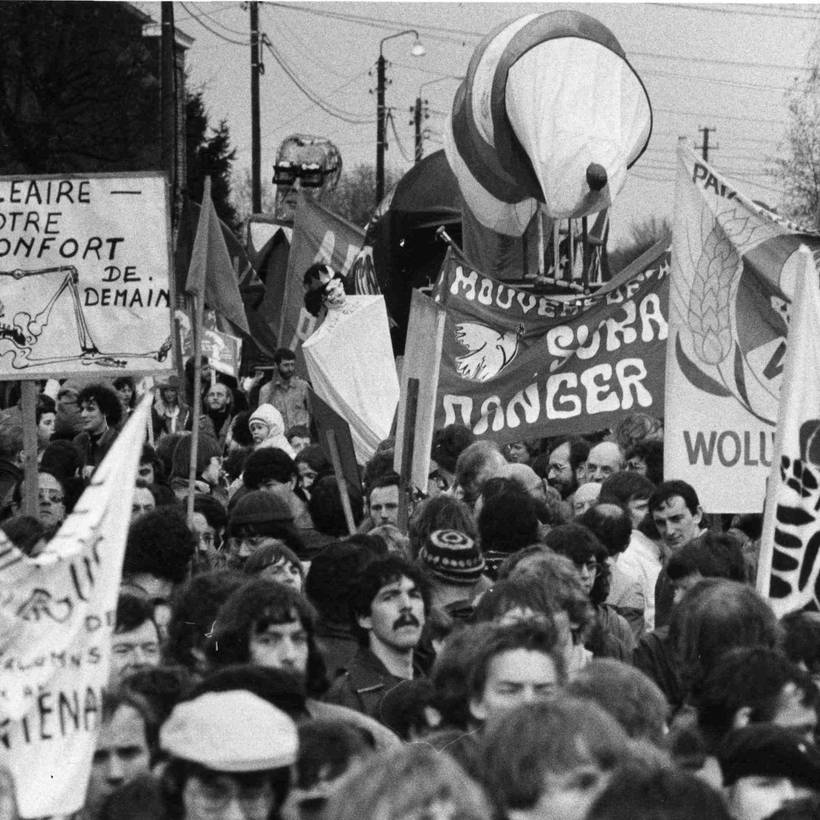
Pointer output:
x,y
734,269
518,365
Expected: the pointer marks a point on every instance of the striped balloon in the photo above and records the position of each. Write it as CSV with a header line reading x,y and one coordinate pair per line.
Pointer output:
x,y
550,111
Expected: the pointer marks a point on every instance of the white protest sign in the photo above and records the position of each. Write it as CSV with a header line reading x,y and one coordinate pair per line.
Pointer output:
x,y
84,275
56,618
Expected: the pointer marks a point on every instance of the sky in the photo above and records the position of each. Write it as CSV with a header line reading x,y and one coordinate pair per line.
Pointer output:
x,y
717,66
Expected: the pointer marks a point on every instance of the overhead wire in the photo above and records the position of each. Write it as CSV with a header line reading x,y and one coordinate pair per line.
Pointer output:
x,y
218,34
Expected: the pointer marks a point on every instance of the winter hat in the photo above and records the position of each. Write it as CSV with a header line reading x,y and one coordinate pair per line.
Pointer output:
x,y
270,416
258,508
232,731
452,556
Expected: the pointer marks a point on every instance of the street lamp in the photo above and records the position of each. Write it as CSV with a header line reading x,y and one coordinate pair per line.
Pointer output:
x,y
417,115
417,50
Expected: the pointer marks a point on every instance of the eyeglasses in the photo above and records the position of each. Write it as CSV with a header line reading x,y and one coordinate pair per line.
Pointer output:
x,y
311,176
52,496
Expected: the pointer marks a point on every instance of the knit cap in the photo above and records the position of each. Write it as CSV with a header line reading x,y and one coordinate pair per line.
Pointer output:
x,y
258,508
452,556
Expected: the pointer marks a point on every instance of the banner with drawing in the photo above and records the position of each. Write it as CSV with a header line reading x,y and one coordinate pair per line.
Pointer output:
x,y
517,365
56,619
731,284
84,275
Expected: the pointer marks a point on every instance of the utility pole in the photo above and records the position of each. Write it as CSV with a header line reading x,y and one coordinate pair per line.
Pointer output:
x,y
418,115
256,158
168,129
380,82
704,148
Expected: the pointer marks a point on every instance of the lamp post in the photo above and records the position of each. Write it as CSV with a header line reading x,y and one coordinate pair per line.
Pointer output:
x,y
417,115
417,50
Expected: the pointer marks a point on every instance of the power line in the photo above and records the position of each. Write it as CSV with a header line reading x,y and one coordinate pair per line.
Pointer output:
x,y
392,120
218,34
735,10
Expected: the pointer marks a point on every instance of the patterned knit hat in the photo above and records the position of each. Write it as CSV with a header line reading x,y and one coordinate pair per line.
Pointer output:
x,y
453,557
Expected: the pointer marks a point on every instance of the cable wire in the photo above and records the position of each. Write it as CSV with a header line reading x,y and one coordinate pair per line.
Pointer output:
x,y
221,36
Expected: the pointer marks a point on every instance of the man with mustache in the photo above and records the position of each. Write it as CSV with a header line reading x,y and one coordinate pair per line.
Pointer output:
x,y
388,607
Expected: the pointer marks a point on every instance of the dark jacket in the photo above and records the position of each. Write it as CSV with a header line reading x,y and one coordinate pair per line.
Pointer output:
x,y
363,685
93,451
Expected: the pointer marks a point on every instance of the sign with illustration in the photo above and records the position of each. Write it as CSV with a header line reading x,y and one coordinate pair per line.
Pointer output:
x,y
733,273
84,275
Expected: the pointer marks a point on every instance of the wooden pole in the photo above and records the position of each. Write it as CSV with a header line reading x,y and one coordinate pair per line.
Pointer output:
x,y
336,461
28,406
407,448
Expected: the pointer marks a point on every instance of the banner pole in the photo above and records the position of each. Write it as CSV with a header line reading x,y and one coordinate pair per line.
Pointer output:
x,y
28,407
336,461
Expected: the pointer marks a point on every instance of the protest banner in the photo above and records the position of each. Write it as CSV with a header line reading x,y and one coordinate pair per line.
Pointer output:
x,y
85,273
516,365
224,350
319,235
731,282
57,615
790,542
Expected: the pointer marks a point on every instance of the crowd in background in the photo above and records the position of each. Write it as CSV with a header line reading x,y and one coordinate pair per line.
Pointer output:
x,y
559,632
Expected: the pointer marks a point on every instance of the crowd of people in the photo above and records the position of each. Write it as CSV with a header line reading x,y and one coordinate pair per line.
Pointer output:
x,y
558,632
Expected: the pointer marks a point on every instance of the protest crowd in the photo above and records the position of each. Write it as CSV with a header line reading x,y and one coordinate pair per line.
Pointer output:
x,y
558,631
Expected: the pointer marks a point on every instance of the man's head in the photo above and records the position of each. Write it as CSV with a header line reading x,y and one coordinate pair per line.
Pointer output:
x,y
219,398
565,459
285,361
389,604
298,437
551,759
230,755
604,459
764,767
632,491
709,555
675,509
123,748
383,501
611,524
260,517
135,643
515,663
585,497
271,625
477,463
452,559
100,408
269,468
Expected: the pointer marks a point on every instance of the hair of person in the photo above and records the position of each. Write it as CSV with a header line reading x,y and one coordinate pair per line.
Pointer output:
x,y
508,519
508,594
402,709
114,699
250,610
580,544
194,607
297,431
627,694
207,448
390,479
45,404
713,617
801,641
442,512
266,464
658,793
212,510
314,456
234,462
625,486
162,687
240,430
509,563
377,574
331,577
127,381
752,677
408,782
132,613
270,554
470,463
713,555
178,771
394,539
61,458
670,489
326,750
651,453
326,510
578,449
611,524
105,398
281,688
380,464
372,543
439,624
148,455
532,635
11,438
530,742
159,543
165,446
139,798
24,531
448,444
283,354
561,583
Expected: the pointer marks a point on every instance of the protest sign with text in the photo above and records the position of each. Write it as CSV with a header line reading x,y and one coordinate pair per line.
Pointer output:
x,y
56,619
84,274
516,365
731,283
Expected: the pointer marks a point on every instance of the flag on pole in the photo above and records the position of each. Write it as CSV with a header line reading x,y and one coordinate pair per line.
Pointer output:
x,y
57,615
211,271
788,566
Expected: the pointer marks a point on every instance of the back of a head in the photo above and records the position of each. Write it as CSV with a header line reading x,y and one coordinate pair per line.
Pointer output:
x,y
508,519
442,512
624,486
327,748
332,576
576,542
449,443
266,464
658,794
476,463
412,782
625,693
326,510
611,523
159,543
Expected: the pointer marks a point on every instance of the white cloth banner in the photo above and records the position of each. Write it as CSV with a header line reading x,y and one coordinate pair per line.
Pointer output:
x,y
788,565
351,367
56,618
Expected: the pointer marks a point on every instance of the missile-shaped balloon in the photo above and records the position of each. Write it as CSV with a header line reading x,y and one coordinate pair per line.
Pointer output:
x,y
550,111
